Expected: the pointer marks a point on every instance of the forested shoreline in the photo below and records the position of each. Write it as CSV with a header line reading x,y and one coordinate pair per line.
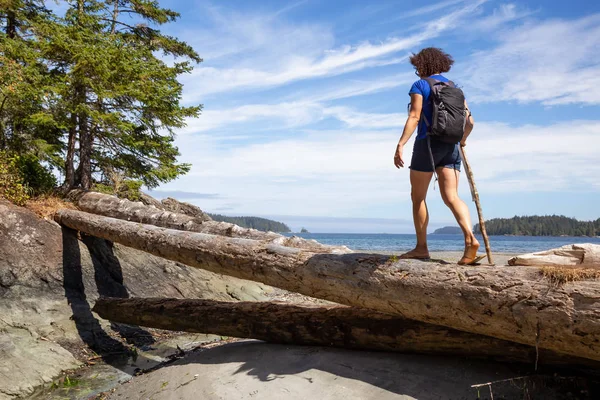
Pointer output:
x,y
548,225
261,224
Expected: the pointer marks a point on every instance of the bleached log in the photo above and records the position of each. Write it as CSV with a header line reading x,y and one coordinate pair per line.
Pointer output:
x,y
114,207
577,255
514,304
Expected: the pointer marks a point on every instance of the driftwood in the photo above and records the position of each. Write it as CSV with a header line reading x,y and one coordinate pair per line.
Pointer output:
x,y
515,304
576,255
475,197
111,206
337,326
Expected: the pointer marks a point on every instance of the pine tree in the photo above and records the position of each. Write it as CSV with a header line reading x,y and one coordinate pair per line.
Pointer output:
x,y
24,81
123,102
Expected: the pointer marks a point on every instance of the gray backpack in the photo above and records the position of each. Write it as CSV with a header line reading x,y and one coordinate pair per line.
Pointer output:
x,y
449,113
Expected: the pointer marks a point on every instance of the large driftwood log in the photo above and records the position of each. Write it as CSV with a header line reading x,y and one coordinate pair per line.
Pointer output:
x,y
337,326
515,304
576,255
112,206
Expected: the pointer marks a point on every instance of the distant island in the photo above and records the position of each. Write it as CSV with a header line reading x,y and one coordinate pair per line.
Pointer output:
x,y
304,230
262,224
448,230
547,225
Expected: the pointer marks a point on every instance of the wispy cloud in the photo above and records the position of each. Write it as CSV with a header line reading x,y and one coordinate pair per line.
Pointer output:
x,y
552,62
501,15
345,172
319,60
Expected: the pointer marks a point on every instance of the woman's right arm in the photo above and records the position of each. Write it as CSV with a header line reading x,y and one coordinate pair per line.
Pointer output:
x,y
414,115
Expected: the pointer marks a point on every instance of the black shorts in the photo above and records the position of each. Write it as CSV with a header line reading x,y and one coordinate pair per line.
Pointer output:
x,y
444,155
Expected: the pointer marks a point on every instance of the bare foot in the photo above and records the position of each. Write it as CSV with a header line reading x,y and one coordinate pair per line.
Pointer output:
x,y
416,254
470,253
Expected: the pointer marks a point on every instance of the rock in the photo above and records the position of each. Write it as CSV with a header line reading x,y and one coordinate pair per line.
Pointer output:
x,y
581,255
176,206
48,279
151,201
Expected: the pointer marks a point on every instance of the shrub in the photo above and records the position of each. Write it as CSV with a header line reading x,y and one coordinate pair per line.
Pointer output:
x,y
103,188
12,187
38,179
130,189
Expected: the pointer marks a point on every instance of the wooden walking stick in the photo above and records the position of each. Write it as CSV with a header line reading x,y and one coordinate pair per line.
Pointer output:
x,y
475,197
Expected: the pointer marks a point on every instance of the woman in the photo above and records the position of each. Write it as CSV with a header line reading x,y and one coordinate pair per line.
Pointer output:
x,y
431,63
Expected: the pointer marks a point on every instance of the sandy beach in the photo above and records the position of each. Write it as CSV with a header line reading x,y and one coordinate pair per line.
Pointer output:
x,y
453,256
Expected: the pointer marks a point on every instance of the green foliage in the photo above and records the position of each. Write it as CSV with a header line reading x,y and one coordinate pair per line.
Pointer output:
x,y
125,189
103,188
68,382
130,190
12,187
38,179
550,225
87,93
262,224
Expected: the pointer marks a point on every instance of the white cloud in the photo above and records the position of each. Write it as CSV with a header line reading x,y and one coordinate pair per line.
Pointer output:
x,y
281,116
272,64
265,117
501,15
552,62
349,172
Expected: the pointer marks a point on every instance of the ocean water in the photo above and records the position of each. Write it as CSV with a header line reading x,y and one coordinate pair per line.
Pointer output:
x,y
405,242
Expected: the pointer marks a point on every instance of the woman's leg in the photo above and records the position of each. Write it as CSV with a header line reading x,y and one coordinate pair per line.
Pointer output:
x,y
448,178
419,182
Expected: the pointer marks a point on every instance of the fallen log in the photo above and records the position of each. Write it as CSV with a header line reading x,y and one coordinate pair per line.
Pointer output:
x,y
573,255
336,326
114,207
514,304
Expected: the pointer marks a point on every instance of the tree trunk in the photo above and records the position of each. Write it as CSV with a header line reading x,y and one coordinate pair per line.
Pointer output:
x,y
85,152
515,304
70,159
11,24
337,326
111,206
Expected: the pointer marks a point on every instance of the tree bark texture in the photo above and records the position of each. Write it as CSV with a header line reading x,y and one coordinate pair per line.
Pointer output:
x,y
85,151
70,159
514,304
336,326
111,206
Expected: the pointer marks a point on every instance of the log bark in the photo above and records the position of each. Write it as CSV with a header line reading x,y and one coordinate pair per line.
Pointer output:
x,y
573,255
336,326
514,304
111,206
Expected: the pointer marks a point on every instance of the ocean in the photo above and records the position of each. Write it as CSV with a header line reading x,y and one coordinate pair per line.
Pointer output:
x,y
405,242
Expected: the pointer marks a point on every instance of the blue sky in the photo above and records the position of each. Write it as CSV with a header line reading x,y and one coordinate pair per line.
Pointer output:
x,y
304,103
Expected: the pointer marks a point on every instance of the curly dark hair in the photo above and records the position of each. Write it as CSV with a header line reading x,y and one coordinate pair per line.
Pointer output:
x,y
431,60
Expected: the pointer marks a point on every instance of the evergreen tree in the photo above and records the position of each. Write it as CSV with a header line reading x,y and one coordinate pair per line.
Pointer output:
x,y
121,102
87,93
24,81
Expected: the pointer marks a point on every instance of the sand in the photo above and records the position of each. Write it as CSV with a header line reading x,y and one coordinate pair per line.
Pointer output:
x,y
256,370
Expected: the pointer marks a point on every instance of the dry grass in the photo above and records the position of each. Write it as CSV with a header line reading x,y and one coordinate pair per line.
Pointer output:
x,y
562,275
46,206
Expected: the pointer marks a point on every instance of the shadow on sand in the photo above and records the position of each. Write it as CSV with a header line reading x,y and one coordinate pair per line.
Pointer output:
x,y
387,375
